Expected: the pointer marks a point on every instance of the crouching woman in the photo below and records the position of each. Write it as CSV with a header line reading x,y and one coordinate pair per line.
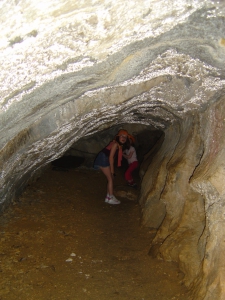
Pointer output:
x,y
105,161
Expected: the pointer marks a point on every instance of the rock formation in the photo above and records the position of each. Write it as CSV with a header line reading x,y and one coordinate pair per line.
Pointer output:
x,y
73,69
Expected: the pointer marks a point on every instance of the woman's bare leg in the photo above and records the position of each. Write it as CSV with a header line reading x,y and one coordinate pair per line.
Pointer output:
x,y
107,172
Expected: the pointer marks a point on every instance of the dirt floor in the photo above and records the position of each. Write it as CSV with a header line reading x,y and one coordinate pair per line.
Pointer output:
x,y
61,241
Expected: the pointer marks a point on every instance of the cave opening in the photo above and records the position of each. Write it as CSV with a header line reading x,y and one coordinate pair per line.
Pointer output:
x,y
71,72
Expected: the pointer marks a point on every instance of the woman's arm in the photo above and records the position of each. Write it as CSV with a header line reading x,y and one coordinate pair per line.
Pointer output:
x,y
111,157
125,154
129,155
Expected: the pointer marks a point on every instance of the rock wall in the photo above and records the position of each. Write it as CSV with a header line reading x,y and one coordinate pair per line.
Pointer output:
x,y
71,71
182,195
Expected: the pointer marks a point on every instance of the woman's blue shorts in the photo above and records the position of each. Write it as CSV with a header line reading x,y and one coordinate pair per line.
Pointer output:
x,y
101,160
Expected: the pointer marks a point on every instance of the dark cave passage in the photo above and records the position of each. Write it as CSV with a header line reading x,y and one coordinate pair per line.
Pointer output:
x,y
84,151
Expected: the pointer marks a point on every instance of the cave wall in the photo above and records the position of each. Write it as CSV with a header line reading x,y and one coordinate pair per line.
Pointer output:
x,y
182,196
71,71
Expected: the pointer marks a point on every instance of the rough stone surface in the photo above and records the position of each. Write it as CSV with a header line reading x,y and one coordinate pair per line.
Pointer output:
x,y
71,71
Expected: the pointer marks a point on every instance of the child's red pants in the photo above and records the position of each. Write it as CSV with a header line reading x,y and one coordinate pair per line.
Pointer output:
x,y
131,168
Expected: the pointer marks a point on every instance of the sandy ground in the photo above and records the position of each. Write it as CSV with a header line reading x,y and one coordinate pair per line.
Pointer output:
x,y
61,241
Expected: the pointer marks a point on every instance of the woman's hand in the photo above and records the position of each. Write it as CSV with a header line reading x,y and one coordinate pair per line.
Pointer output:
x,y
124,155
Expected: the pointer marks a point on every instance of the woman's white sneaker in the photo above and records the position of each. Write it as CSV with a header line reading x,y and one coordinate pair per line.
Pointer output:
x,y
112,200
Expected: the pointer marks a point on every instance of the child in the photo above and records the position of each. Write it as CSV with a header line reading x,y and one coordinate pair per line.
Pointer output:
x,y
105,161
131,156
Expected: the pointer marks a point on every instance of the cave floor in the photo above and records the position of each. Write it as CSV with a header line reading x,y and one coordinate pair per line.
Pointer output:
x,y
61,241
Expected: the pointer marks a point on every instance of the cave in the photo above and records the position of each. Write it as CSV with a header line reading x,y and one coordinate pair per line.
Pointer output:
x,y
76,73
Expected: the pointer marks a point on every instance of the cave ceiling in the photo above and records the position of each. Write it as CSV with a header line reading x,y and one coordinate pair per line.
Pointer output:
x,y
73,68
